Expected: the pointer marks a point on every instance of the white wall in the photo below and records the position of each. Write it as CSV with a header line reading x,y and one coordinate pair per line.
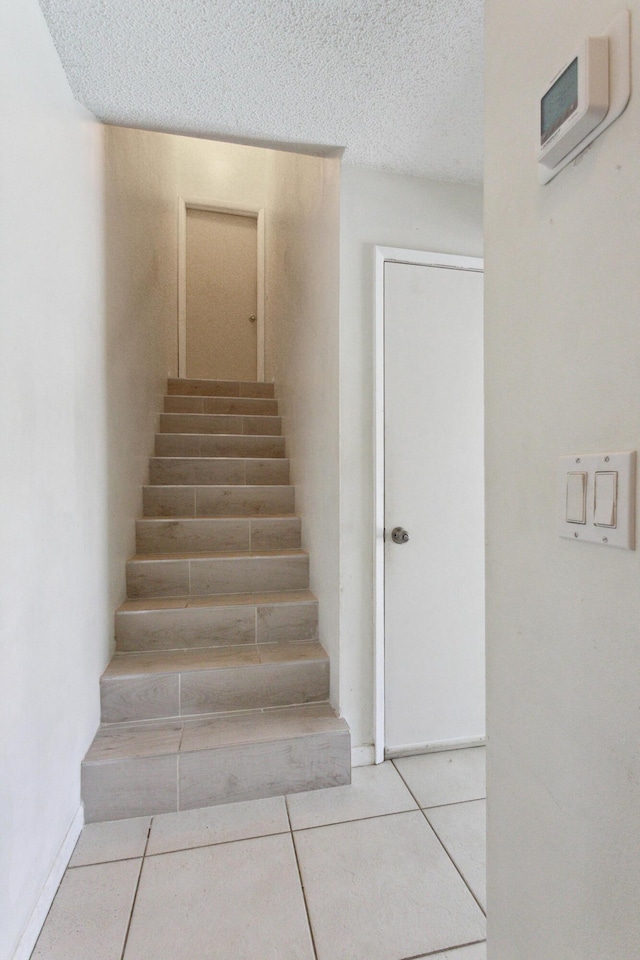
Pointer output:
x,y
562,362
390,210
55,622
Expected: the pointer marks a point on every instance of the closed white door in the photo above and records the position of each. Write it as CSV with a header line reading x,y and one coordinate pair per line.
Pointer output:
x,y
221,296
434,582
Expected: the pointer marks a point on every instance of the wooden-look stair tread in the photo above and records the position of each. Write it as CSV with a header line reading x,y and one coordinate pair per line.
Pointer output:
x,y
212,658
167,737
217,600
218,555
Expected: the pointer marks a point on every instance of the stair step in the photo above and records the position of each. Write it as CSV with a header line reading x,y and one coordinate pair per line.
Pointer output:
x,y
261,426
182,575
181,683
218,388
243,618
218,470
198,534
139,769
244,406
217,445
217,500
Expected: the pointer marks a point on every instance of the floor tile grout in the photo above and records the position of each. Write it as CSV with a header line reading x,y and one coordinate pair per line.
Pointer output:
x,y
455,865
304,895
135,892
438,953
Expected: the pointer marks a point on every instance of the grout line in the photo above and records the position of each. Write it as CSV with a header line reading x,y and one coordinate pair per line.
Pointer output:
x,y
438,953
441,844
304,896
215,843
454,803
135,893
337,823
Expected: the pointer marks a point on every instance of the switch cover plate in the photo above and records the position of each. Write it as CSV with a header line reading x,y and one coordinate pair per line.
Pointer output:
x,y
616,479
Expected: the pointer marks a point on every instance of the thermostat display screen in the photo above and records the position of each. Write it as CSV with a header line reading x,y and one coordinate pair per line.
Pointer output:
x,y
559,102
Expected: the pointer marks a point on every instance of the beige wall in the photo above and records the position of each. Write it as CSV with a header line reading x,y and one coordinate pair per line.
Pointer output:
x,y
55,620
562,362
389,210
302,245
300,196
140,228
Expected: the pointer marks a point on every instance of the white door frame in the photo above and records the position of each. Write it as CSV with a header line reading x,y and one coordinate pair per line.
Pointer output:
x,y
425,259
257,213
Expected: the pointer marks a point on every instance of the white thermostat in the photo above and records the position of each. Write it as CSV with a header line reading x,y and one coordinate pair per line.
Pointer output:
x,y
584,97
576,101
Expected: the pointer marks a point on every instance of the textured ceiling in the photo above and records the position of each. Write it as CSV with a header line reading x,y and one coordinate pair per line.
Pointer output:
x,y
397,83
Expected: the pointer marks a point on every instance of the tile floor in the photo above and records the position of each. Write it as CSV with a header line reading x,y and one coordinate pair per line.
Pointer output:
x,y
389,868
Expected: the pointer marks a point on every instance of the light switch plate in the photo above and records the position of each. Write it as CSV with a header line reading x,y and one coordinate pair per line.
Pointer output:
x,y
624,464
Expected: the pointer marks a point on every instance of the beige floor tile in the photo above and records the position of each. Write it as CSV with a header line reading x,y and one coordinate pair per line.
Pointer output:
x,y
89,916
373,791
221,824
115,840
462,829
383,889
452,776
243,901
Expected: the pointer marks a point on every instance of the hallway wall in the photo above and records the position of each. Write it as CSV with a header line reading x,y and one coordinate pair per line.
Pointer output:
x,y
303,210
55,621
562,362
383,209
300,196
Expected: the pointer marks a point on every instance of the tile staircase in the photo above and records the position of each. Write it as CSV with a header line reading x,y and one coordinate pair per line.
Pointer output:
x,y
218,689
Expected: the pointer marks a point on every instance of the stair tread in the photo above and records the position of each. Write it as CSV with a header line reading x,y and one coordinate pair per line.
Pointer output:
x,y
227,516
212,658
169,737
241,487
225,436
217,600
234,459
218,555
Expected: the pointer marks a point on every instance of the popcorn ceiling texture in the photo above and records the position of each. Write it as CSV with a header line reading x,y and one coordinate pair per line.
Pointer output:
x,y
397,83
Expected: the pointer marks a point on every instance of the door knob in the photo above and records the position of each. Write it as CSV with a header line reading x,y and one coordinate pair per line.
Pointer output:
x,y
252,318
399,535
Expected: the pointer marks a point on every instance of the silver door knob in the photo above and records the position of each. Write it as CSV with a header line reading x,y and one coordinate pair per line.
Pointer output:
x,y
252,318
399,535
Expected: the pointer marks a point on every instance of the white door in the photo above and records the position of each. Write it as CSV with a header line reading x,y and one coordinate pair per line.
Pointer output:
x,y
433,488
221,295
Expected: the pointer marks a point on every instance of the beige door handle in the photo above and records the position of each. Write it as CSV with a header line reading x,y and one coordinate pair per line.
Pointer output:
x,y
252,318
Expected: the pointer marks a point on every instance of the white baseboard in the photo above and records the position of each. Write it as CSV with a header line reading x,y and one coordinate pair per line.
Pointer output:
x,y
362,756
411,749
39,913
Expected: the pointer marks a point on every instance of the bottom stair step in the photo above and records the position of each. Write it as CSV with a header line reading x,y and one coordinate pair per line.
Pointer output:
x,y
140,769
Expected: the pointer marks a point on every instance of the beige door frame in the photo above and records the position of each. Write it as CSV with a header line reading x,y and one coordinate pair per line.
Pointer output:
x,y
257,213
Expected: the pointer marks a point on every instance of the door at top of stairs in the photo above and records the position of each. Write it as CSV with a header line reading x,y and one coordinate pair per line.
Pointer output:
x,y
221,295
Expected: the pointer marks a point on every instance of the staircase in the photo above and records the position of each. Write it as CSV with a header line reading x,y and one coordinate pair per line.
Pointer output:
x,y
218,689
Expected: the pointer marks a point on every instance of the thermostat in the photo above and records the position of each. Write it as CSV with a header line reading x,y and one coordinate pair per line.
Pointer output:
x,y
575,102
585,96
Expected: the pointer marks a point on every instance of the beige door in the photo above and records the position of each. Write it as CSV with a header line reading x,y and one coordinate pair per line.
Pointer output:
x,y
221,296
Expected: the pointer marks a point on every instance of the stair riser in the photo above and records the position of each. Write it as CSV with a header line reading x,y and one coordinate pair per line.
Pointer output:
x,y
217,501
210,445
212,534
185,470
119,789
191,627
210,577
213,691
214,423
240,406
218,388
